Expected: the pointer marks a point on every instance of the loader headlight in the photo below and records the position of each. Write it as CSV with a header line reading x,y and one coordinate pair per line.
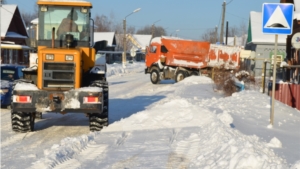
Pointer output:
x,y
49,57
69,57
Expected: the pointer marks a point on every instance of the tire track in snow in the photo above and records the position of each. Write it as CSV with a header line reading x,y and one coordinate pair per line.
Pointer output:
x,y
91,152
185,150
18,137
174,135
122,139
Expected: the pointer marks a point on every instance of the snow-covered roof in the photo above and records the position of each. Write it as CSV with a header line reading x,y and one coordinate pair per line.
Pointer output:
x,y
258,37
35,21
7,13
142,40
108,36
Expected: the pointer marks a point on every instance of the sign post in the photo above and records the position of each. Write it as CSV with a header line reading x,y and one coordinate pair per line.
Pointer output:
x,y
277,19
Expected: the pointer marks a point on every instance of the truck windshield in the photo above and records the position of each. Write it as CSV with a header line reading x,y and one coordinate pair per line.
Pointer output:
x,y
65,20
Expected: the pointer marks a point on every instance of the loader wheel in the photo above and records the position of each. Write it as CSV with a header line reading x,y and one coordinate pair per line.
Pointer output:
x,y
22,122
154,76
98,121
180,75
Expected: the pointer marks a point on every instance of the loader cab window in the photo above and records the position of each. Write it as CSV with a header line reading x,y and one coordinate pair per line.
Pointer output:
x,y
65,20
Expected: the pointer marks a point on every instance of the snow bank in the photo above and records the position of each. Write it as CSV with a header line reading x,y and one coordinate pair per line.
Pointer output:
x,y
116,69
201,135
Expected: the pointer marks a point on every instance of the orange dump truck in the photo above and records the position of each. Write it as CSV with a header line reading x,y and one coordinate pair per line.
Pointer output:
x,y
170,58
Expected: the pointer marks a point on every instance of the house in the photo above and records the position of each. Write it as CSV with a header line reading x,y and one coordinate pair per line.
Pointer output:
x,y
14,49
262,45
236,41
139,44
109,39
292,69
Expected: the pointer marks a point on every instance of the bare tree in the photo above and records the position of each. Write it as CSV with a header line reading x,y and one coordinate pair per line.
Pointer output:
x,y
103,23
28,17
130,30
156,30
239,31
3,2
209,35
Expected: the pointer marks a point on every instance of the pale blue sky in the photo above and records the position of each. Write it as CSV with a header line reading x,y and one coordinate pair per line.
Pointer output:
x,y
191,17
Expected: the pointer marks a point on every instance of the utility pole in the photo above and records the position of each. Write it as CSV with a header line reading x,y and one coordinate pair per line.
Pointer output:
x,y
222,25
216,34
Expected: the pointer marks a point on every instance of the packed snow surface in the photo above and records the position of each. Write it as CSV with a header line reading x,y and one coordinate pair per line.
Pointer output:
x,y
173,125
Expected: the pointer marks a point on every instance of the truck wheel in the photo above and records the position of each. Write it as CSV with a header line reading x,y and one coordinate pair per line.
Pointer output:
x,y
98,121
154,76
194,73
22,122
180,75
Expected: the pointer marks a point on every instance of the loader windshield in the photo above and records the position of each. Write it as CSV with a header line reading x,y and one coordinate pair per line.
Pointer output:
x,y
65,20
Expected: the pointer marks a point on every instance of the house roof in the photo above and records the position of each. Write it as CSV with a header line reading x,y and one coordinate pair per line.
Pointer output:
x,y
108,36
142,40
35,21
139,41
257,36
8,12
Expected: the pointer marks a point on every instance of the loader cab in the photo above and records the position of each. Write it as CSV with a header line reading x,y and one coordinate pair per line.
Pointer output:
x,y
71,26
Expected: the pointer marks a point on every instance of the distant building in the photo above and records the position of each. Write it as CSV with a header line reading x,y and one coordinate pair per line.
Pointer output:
x,y
262,45
236,41
139,44
109,39
14,49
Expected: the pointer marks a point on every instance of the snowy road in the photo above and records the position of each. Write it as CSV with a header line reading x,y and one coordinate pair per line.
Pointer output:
x,y
52,128
182,125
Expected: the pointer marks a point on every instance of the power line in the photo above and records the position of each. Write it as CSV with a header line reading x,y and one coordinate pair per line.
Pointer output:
x,y
229,2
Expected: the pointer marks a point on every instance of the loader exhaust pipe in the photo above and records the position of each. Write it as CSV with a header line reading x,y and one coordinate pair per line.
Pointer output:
x,y
53,36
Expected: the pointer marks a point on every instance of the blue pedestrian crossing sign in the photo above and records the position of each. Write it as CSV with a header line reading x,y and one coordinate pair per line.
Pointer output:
x,y
277,18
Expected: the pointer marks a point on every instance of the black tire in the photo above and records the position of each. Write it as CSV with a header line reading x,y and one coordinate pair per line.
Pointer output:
x,y
154,76
194,73
180,75
98,121
22,122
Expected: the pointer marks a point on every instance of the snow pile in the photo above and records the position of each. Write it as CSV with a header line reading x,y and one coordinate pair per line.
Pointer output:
x,y
25,86
186,129
116,69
